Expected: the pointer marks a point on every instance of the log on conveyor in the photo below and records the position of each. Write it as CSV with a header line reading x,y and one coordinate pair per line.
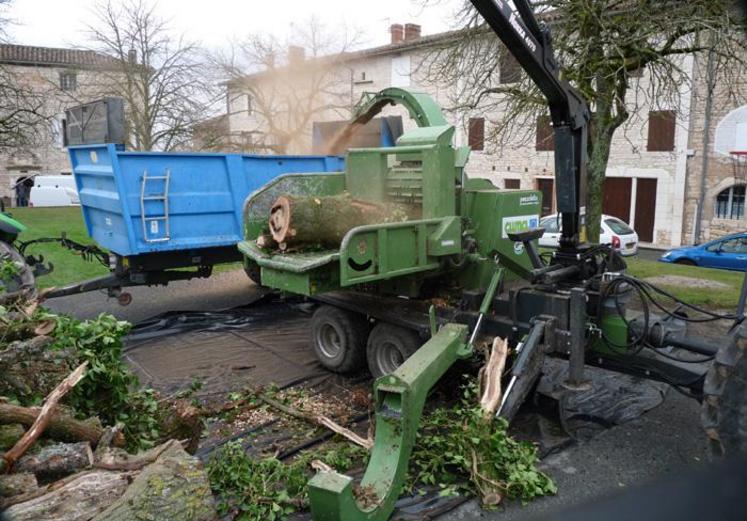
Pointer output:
x,y
297,221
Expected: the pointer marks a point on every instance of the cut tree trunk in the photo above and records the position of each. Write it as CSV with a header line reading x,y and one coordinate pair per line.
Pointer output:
x,y
57,461
19,483
78,498
324,221
62,427
175,486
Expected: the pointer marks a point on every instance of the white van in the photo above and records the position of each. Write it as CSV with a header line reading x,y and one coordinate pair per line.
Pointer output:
x,y
54,190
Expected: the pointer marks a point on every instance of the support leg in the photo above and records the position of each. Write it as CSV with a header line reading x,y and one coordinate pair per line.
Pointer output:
x,y
399,404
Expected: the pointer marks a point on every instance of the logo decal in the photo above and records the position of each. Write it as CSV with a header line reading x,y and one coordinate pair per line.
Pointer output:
x,y
518,223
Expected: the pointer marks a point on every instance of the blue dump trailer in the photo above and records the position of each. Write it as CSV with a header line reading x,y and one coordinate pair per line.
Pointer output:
x,y
158,213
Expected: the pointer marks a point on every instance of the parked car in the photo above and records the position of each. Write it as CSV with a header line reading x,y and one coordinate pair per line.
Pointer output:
x,y
54,190
614,231
728,253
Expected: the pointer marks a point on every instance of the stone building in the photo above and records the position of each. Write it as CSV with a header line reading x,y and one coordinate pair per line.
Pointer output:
x,y
59,78
656,158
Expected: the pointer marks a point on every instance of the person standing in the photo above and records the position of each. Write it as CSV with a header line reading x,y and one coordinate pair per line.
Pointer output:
x,y
23,190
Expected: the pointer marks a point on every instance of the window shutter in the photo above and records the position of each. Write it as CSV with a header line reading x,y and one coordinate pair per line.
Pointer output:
x,y
476,133
512,184
661,128
545,134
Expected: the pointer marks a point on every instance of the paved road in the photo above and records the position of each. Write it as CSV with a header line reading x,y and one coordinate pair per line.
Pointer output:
x,y
664,441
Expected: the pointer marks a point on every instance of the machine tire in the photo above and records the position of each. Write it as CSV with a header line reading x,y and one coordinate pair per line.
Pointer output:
x,y
253,271
339,339
724,410
685,262
388,347
23,284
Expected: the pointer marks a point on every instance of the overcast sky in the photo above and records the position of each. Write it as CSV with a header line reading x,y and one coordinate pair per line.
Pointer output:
x,y
59,23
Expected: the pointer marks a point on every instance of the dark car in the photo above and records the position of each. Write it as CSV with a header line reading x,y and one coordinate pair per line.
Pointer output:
x,y
728,253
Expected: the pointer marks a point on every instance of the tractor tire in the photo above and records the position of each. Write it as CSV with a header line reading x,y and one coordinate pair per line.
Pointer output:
x,y
724,410
253,271
22,283
338,338
388,348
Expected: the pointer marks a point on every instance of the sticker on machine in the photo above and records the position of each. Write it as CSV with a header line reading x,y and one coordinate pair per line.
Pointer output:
x,y
519,223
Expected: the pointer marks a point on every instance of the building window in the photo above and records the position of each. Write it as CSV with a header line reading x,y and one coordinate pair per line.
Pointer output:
x,y
401,69
476,133
661,127
545,134
510,70
730,203
68,81
512,184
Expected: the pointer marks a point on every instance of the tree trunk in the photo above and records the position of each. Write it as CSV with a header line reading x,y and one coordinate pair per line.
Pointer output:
x,y
57,461
324,221
597,169
78,499
61,426
174,487
19,483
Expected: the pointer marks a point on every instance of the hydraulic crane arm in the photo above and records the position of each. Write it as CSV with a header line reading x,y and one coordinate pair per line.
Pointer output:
x,y
531,45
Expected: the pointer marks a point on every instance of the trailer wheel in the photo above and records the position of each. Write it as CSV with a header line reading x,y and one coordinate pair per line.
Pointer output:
x,y
724,413
22,282
388,348
339,339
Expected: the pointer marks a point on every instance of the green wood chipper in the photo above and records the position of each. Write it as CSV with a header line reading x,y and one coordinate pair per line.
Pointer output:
x,y
407,224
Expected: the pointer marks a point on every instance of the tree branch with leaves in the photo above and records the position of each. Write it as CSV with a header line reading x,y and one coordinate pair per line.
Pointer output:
x,y
622,55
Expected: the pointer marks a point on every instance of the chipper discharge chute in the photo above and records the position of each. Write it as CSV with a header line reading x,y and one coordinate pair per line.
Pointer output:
x,y
406,224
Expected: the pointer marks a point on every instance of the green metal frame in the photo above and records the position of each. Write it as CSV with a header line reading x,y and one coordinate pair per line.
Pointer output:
x,y
400,398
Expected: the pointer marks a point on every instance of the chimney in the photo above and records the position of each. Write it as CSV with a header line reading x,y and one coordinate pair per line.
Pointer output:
x,y
412,32
296,54
132,56
398,32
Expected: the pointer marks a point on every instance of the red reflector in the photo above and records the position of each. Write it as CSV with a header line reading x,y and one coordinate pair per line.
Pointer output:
x,y
616,242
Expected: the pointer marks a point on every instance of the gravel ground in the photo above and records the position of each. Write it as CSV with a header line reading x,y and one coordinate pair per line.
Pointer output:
x,y
664,441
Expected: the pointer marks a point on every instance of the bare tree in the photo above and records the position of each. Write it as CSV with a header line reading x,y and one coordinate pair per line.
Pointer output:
x,y
605,47
161,77
281,86
23,117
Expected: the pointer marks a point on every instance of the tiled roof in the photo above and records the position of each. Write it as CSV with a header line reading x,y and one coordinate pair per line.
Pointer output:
x,y
49,56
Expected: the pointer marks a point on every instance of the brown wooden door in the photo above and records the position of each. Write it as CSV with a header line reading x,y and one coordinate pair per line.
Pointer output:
x,y
548,195
617,197
645,209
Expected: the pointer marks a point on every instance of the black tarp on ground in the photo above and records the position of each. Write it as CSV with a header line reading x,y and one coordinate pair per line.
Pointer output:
x,y
267,342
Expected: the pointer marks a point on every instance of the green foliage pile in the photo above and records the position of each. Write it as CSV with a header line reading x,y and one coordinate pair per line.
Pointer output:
x,y
109,390
8,270
456,450
459,451
268,489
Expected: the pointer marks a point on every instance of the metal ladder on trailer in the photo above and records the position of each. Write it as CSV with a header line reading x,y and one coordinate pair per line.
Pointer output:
x,y
151,226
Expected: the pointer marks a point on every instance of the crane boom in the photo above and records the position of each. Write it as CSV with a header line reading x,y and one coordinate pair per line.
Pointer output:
x,y
531,44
